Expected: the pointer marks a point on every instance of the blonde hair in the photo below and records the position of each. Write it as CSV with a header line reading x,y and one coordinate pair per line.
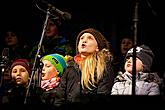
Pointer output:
x,y
92,68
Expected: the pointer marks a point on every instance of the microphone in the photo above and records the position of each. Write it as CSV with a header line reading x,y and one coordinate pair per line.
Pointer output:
x,y
5,53
5,56
64,15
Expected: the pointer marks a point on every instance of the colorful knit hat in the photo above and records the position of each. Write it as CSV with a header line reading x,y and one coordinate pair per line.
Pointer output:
x,y
101,40
24,62
57,60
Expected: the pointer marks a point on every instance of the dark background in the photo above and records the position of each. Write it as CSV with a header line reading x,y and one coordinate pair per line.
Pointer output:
x,y
114,18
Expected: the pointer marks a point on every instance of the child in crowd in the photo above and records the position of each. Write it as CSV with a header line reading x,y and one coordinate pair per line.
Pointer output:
x,y
147,83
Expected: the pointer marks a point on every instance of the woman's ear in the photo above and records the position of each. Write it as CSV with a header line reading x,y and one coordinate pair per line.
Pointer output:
x,y
97,49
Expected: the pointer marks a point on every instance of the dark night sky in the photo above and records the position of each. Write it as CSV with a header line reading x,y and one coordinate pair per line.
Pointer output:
x,y
112,17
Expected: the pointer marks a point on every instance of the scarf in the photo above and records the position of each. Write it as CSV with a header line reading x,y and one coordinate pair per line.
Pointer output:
x,y
50,83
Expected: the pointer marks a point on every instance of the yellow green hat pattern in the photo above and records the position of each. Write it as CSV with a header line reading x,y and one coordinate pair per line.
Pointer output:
x,y
57,60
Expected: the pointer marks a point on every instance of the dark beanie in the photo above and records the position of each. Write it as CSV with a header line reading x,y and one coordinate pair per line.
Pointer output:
x,y
24,62
101,40
55,20
145,54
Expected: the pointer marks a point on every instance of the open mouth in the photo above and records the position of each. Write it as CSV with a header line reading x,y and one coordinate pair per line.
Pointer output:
x,y
128,65
18,79
125,49
43,74
83,45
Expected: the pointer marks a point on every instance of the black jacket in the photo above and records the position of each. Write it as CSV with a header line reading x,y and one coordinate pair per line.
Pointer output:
x,y
70,90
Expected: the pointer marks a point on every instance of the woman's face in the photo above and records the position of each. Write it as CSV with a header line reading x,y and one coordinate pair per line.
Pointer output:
x,y
20,75
11,38
129,65
48,71
126,44
87,44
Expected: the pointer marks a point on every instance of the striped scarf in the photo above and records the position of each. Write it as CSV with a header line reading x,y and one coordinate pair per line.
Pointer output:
x,y
50,83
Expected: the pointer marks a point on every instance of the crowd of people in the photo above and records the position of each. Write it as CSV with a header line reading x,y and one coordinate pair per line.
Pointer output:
x,y
73,75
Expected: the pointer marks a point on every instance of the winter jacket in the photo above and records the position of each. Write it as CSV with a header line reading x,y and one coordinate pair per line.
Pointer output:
x,y
145,85
70,90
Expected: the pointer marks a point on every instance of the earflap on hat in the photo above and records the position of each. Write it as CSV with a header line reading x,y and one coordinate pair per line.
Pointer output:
x,y
57,60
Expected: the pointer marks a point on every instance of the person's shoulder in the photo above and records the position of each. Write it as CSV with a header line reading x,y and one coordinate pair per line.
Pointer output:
x,y
70,67
71,70
153,77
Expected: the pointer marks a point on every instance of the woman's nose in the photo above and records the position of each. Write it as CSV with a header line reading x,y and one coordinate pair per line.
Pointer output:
x,y
18,72
84,40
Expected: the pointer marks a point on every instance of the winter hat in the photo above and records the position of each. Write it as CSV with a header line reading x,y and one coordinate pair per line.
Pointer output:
x,y
57,60
101,40
145,54
24,62
55,20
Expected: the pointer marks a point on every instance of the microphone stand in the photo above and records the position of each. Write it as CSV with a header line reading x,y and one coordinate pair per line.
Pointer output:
x,y
37,58
2,66
135,19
